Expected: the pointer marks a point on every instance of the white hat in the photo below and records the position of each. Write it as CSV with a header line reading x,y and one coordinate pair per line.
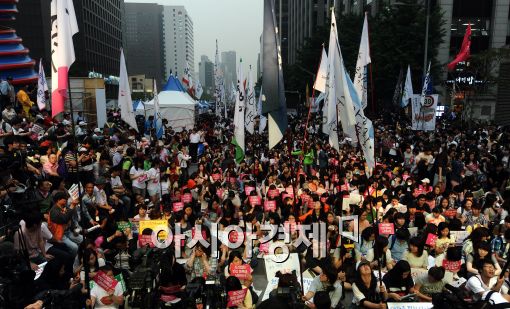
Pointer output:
x,y
66,122
97,130
425,180
82,149
82,123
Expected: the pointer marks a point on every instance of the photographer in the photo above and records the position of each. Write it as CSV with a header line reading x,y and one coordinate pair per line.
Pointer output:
x,y
327,281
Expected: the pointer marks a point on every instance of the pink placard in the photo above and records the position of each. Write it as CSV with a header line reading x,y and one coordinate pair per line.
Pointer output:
x,y
450,213
453,266
255,200
431,240
240,271
235,298
186,198
290,190
285,195
178,206
273,193
216,177
270,206
144,240
107,283
386,228
264,247
247,190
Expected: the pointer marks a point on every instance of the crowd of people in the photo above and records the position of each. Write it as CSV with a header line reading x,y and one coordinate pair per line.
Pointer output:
x,y
434,211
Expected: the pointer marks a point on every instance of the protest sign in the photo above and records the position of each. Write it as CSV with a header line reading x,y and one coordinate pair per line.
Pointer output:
x,y
255,200
270,206
240,271
248,189
386,229
431,240
236,298
104,281
178,206
453,266
186,198
123,225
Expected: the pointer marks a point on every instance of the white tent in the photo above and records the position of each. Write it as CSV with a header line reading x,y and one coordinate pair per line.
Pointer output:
x,y
175,106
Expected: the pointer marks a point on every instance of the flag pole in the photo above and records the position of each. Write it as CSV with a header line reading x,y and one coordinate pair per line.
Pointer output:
x,y
85,263
313,96
370,68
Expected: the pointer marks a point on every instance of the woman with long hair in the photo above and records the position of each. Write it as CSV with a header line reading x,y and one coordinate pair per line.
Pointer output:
x,y
475,259
380,254
399,281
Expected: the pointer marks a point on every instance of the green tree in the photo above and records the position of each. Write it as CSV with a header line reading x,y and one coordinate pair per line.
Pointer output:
x,y
397,36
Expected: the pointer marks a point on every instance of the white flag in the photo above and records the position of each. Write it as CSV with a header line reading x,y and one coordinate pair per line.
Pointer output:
x,y
337,103
425,86
360,78
158,119
199,90
322,74
63,27
407,94
251,108
262,119
42,87
186,77
239,109
364,127
125,103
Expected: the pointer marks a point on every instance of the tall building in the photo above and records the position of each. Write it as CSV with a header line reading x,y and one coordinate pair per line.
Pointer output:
x,y
302,16
97,44
206,74
178,40
229,65
282,21
143,32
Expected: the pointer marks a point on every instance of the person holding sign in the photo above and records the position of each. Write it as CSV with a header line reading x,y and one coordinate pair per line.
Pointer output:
x,y
110,298
235,260
238,296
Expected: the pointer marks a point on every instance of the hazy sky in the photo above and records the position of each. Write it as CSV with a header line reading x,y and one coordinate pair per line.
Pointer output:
x,y
237,24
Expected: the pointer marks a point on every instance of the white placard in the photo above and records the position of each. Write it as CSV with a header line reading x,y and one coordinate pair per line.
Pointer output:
x,y
292,263
410,305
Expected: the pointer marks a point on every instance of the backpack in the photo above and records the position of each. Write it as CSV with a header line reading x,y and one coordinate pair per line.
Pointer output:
x,y
62,167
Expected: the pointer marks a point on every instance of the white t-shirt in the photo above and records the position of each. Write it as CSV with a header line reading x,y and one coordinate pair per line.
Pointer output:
x,y
153,182
139,181
476,285
98,292
359,296
116,182
194,138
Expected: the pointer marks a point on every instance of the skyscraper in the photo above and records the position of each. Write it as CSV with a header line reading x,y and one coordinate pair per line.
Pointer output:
x,y
178,40
206,74
144,40
97,44
229,65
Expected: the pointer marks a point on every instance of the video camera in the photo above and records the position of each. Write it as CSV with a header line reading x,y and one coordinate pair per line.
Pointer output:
x,y
209,292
